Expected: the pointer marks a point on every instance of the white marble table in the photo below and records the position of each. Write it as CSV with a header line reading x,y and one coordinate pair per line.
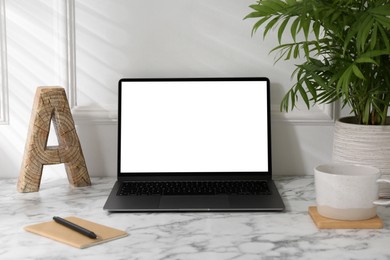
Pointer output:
x,y
263,235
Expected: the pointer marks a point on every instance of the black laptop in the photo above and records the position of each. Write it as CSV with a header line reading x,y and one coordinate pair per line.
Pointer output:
x,y
198,144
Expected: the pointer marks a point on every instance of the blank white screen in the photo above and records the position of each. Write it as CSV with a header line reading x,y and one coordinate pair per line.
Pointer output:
x,y
194,126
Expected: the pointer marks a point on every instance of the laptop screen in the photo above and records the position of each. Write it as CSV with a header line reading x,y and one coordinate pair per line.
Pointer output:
x,y
194,125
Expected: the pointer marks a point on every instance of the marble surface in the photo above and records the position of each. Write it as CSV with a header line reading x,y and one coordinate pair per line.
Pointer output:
x,y
262,235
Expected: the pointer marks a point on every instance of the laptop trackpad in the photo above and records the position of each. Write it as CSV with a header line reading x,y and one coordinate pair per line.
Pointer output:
x,y
199,202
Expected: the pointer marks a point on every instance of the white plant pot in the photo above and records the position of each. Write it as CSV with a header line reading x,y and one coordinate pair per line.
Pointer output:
x,y
363,144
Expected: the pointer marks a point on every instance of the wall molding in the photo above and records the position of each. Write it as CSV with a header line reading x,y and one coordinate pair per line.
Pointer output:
x,y
81,114
325,114
4,105
318,115
71,53
84,115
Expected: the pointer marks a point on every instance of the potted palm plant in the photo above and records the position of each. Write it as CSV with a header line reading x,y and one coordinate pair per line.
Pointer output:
x,y
346,50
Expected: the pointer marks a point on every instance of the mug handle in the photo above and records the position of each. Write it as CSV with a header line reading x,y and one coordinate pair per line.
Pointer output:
x,y
382,202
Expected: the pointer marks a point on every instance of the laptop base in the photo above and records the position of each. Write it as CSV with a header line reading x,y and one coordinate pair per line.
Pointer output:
x,y
199,203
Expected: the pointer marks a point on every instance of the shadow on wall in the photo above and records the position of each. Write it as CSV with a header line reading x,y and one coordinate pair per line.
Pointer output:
x,y
286,152
297,148
287,156
99,144
10,158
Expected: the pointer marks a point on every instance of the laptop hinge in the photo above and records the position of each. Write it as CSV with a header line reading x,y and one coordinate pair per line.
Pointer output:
x,y
192,177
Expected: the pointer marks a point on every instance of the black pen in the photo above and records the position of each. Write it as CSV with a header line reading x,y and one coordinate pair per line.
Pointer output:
x,y
75,227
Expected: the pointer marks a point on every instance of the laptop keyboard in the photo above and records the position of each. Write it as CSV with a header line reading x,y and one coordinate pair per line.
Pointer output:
x,y
194,188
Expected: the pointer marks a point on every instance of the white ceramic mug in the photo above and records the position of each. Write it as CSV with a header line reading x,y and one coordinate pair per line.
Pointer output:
x,y
348,192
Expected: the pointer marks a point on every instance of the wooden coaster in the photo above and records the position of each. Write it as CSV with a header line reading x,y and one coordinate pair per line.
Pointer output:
x,y
328,223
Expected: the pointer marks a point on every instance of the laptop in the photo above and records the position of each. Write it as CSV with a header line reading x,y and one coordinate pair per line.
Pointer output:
x,y
199,144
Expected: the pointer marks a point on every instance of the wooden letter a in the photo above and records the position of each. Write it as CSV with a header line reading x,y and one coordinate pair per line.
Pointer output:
x,y
51,104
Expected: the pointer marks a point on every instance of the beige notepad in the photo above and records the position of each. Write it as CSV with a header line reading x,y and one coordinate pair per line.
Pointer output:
x,y
68,236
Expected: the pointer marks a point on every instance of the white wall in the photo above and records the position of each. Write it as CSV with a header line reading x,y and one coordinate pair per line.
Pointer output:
x,y
88,45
